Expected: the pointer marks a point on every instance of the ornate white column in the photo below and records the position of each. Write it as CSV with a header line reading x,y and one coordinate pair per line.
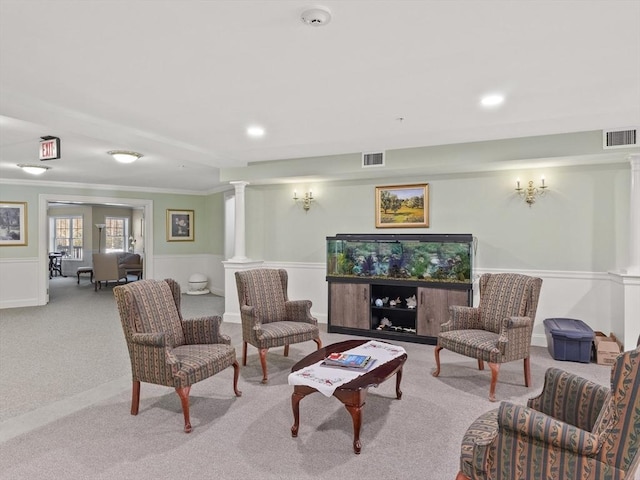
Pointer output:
x,y
634,210
239,240
239,261
626,285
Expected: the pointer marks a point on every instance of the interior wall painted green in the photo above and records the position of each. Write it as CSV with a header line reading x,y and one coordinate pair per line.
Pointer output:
x,y
579,225
203,217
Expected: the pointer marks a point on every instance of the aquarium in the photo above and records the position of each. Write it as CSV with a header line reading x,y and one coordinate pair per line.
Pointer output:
x,y
423,258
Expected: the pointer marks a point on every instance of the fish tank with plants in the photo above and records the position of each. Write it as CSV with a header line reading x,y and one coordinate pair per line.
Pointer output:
x,y
441,258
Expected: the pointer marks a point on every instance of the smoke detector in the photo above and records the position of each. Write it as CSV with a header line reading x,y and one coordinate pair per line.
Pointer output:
x,y
316,16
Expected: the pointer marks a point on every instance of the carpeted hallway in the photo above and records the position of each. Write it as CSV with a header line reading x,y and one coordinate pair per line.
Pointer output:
x,y
65,396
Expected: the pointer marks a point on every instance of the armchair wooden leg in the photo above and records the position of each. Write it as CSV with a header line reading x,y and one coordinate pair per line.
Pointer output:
x,y
480,364
318,342
461,476
263,362
135,397
436,372
495,369
244,354
236,374
183,393
527,372
286,350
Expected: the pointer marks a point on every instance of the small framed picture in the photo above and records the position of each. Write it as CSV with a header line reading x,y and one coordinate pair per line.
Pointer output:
x,y
180,225
399,206
13,224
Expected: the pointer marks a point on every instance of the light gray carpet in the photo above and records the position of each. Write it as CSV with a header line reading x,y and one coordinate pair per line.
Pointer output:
x,y
65,396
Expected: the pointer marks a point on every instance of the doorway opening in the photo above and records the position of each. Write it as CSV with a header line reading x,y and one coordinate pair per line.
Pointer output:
x,y
43,248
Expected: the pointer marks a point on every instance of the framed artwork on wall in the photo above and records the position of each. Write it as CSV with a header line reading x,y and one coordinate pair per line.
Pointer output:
x,y
13,223
402,206
180,226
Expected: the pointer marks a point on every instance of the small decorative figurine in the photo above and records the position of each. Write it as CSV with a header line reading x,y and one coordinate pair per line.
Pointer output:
x,y
411,302
379,302
385,322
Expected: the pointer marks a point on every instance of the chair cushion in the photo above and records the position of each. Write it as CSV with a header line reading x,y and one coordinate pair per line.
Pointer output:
x,y
479,434
479,344
276,334
198,362
157,311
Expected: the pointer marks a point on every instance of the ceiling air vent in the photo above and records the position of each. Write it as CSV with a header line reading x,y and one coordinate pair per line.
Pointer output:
x,y
627,137
373,160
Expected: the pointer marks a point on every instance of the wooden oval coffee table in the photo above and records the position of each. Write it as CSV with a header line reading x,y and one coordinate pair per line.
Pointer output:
x,y
352,394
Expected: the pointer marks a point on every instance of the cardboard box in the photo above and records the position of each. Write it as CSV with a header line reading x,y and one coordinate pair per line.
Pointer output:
x,y
607,348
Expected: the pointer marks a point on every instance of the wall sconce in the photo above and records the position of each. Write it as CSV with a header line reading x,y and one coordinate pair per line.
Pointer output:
x,y
306,200
100,226
530,192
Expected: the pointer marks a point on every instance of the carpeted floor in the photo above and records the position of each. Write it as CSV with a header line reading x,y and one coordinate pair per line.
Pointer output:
x,y
65,395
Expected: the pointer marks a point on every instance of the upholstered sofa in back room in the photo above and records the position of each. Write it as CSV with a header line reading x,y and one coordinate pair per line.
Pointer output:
x,y
131,262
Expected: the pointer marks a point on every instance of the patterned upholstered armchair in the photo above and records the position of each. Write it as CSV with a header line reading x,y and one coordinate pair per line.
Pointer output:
x,y
499,329
269,318
164,348
574,430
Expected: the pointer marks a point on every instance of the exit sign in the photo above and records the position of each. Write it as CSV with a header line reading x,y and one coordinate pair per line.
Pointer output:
x,y
49,148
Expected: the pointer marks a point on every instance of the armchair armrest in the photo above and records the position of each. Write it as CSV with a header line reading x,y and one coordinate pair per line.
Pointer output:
x,y
204,330
299,311
570,398
149,339
515,333
251,316
462,318
531,424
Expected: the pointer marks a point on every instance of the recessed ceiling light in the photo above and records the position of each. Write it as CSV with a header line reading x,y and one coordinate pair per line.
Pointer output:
x,y
255,131
492,100
34,169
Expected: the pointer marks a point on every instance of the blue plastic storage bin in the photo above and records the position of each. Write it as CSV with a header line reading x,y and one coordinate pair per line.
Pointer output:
x,y
569,339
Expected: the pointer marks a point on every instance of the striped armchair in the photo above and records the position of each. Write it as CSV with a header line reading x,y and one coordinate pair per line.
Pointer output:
x,y
574,430
164,348
499,329
269,318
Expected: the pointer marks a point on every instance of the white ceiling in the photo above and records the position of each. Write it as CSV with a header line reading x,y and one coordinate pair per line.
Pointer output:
x,y
180,81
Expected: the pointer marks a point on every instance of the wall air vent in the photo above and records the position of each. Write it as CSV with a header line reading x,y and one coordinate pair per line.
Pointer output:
x,y
373,159
621,138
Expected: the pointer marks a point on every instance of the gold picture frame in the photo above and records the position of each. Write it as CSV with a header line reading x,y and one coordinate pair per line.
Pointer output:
x,y
13,224
180,226
402,206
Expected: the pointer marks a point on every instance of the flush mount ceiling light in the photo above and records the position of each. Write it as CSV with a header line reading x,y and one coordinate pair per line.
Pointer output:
x,y
34,169
124,156
492,100
316,16
255,131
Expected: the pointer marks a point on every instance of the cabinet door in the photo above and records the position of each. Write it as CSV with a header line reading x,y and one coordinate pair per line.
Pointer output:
x,y
349,305
433,308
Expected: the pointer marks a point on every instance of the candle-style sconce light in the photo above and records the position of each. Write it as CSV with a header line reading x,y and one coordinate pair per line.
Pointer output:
x,y
530,192
306,199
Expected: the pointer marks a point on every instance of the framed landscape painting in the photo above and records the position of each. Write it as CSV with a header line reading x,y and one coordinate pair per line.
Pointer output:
x,y
402,206
180,225
13,223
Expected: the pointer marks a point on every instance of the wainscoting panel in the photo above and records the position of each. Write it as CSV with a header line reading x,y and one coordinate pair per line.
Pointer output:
x,y
19,280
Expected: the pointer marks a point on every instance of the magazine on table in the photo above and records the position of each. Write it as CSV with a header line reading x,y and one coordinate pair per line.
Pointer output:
x,y
348,360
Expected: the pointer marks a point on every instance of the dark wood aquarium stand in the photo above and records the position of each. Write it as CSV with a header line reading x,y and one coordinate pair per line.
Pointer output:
x,y
361,303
